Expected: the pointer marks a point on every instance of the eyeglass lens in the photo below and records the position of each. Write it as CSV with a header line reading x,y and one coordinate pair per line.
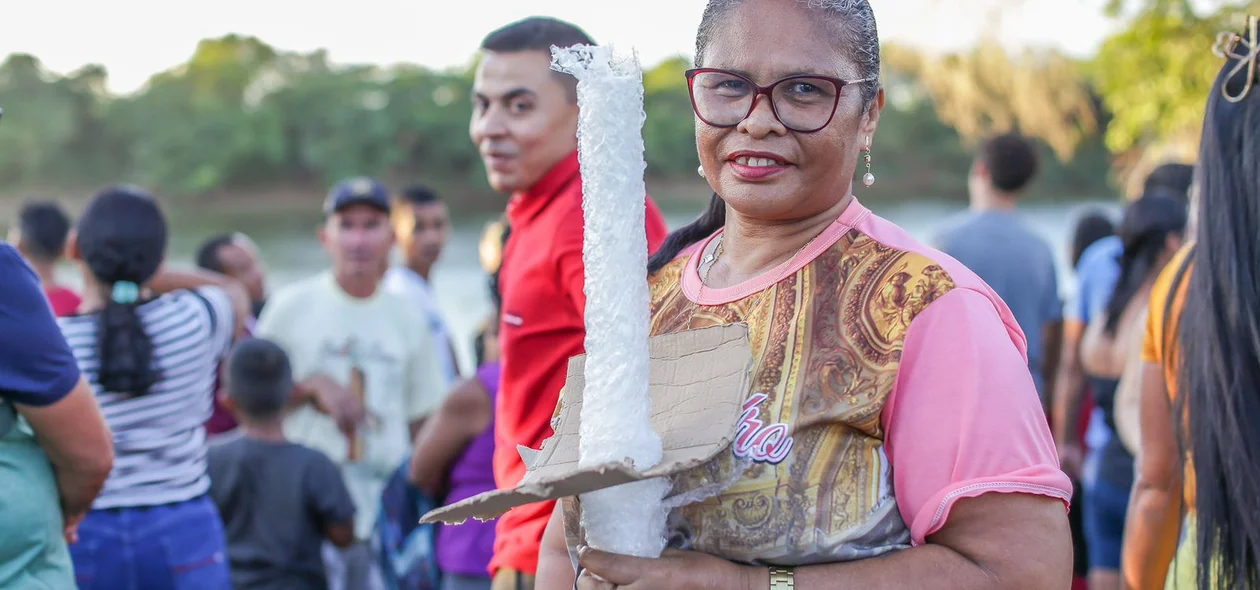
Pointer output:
x,y
802,104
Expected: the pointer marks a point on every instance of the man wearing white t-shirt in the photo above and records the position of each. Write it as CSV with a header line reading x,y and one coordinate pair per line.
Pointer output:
x,y
364,359
422,224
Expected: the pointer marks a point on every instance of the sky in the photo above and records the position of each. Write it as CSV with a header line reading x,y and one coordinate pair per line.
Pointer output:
x,y
137,38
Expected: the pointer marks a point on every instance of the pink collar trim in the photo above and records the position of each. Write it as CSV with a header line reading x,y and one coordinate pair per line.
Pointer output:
x,y
695,290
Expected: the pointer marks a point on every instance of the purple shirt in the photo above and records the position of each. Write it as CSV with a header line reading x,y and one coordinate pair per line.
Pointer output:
x,y
466,549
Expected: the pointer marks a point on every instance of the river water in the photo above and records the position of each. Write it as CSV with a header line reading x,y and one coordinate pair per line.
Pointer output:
x,y
291,250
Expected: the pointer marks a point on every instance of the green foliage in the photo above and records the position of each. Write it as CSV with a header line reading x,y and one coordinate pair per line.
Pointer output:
x,y
989,91
240,115
922,155
668,136
49,118
1155,75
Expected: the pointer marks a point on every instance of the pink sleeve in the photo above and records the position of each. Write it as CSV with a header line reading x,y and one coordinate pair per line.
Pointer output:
x,y
964,418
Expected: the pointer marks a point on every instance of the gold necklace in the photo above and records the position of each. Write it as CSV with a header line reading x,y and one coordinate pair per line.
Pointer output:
x,y
711,259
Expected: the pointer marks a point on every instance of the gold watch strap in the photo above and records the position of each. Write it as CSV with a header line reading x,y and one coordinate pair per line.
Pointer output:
x,y
782,578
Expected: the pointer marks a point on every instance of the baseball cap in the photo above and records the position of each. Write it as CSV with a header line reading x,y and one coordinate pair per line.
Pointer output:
x,y
357,191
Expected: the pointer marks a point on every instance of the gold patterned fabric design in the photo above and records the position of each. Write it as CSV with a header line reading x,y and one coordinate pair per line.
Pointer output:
x,y
811,482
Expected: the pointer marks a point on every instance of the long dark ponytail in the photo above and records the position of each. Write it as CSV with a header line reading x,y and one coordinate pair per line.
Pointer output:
x,y
122,240
711,220
1145,228
1220,337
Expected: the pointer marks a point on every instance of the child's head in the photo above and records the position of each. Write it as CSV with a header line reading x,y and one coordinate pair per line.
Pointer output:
x,y
259,380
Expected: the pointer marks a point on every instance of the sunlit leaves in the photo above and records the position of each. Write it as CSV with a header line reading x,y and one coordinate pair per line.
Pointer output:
x,y
988,91
1155,75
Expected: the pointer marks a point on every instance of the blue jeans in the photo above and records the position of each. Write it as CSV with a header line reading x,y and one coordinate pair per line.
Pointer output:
x,y
169,547
1106,506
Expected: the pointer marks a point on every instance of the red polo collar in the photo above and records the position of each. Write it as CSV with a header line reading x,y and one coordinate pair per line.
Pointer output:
x,y
526,205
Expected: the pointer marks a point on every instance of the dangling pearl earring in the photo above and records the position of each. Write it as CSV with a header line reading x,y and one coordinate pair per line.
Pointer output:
x,y
700,170
868,179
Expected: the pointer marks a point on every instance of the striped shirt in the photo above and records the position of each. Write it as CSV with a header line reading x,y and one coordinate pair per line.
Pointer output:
x,y
159,440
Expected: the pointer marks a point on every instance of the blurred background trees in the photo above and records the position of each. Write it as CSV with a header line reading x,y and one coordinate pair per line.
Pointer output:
x,y
241,116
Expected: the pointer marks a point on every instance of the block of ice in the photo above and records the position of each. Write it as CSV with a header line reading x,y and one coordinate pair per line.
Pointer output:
x,y
616,412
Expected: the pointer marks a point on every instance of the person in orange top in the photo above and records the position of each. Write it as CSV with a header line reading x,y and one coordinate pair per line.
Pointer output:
x,y
1201,353
524,123
1155,510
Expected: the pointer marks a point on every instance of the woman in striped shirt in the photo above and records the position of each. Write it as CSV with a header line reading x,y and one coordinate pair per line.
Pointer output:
x,y
149,343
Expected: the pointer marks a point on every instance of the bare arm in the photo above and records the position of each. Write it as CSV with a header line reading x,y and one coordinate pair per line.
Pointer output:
x,y
1052,344
1154,520
80,447
464,415
1069,387
168,280
994,541
555,568
329,397
1128,403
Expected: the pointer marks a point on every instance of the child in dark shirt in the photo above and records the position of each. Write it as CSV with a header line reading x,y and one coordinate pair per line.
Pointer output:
x,y
279,500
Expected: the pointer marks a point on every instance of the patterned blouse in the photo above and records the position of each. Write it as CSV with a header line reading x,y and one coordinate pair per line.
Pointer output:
x,y
889,382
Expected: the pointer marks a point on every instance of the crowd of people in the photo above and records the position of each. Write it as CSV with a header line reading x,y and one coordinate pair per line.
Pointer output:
x,y
943,419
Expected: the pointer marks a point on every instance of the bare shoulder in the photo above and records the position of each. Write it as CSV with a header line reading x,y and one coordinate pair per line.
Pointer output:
x,y
467,396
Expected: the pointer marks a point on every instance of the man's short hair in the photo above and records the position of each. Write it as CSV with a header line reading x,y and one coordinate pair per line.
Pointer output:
x,y
208,252
539,33
419,194
1171,180
536,33
259,378
44,227
1011,160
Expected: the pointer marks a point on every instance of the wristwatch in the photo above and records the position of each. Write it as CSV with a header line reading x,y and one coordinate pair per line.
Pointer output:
x,y
782,578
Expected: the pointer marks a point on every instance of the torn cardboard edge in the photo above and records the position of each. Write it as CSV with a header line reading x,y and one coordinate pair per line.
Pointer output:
x,y
698,381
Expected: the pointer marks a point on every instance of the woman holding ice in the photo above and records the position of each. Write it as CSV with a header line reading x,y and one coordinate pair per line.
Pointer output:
x,y
893,436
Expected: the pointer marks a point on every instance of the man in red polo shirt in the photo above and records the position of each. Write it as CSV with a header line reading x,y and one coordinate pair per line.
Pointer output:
x,y
40,237
525,125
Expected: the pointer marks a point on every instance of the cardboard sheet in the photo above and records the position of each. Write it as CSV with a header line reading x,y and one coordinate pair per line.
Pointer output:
x,y
699,380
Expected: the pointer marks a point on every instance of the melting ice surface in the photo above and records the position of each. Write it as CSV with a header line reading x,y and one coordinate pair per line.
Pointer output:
x,y
616,408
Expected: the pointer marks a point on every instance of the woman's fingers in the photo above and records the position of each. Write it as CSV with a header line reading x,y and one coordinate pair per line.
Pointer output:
x,y
588,581
620,570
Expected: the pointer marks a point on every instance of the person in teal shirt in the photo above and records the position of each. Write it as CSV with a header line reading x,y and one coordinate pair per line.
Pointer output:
x,y
47,484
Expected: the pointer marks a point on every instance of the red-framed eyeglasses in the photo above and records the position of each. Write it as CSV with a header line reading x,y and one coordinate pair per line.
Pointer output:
x,y
804,104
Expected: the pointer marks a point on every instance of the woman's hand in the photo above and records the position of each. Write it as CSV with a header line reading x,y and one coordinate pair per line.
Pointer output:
x,y
70,528
675,570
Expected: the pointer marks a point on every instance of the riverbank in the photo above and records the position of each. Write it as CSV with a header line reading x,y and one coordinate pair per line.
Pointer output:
x,y
248,203
300,203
